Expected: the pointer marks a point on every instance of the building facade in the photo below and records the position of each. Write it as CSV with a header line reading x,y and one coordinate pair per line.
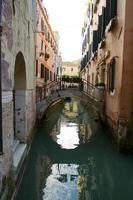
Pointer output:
x,y
70,71
18,83
46,54
107,58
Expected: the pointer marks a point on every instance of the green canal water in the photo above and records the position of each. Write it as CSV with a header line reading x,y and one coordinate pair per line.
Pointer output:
x,y
72,158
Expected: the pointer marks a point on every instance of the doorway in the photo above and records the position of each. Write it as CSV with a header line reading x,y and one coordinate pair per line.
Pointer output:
x,y
19,98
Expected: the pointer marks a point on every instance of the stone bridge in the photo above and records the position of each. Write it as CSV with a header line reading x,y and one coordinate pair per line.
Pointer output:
x,y
62,94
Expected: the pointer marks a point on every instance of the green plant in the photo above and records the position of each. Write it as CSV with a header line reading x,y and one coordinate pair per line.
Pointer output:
x,y
100,84
8,187
47,55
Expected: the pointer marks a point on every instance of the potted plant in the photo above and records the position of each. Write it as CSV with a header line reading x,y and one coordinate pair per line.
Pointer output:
x,y
41,53
46,56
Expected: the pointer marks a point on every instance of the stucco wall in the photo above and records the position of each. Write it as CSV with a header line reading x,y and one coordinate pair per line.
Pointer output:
x,y
126,103
114,45
17,36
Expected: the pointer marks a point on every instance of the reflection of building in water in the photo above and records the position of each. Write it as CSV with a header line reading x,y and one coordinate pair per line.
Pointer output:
x,y
71,109
62,182
65,131
56,130
43,170
85,132
88,182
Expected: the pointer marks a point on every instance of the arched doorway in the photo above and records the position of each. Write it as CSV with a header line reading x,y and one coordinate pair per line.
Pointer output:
x,y
19,98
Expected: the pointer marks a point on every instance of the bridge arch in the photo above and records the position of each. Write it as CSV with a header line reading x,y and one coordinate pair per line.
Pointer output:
x,y
57,96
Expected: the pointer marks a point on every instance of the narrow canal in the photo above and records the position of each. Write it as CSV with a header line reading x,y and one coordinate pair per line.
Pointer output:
x,y
72,158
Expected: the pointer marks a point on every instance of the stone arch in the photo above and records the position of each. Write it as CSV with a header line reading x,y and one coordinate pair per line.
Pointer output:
x,y
19,98
20,72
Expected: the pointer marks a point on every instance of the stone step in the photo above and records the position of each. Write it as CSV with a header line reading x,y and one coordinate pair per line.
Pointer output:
x,y
18,157
15,144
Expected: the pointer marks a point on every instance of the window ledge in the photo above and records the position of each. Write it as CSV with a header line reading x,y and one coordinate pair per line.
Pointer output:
x,y
112,93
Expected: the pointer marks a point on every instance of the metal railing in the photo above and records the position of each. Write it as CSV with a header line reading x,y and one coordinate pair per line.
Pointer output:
x,y
88,88
92,91
45,90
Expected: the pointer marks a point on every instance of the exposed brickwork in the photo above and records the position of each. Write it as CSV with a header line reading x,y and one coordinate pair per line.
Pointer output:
x,y
6,80
31,111
7,23
7,116
16,39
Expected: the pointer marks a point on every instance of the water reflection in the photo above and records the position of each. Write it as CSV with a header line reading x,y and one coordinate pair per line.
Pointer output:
x,y
73,159
62,182
71,129
68,137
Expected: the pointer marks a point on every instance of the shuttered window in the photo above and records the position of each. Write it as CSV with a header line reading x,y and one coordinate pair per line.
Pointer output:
x,y
46,78
36,68
50,76
42,71
111,75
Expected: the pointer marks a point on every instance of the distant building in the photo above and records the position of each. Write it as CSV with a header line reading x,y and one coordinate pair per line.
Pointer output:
x,y
58,58
70,70
107,58
59,68
46,54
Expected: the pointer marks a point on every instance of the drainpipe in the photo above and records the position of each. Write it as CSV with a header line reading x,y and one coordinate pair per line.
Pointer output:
x,y
1,143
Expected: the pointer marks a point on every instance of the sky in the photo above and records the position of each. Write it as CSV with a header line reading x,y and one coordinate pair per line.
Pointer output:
x,y
66,17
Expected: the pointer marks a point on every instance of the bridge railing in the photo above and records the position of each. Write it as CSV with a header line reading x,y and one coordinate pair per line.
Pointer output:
x,y
48,89
94,92
45,90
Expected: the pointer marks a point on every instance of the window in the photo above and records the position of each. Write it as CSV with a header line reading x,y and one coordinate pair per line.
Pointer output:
x,y
45,48
34,13
111,75
71,69
28,28
42,71
13,7
46,74
103,75
36,68
42,25
50,76
41,45
48,36
92,79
